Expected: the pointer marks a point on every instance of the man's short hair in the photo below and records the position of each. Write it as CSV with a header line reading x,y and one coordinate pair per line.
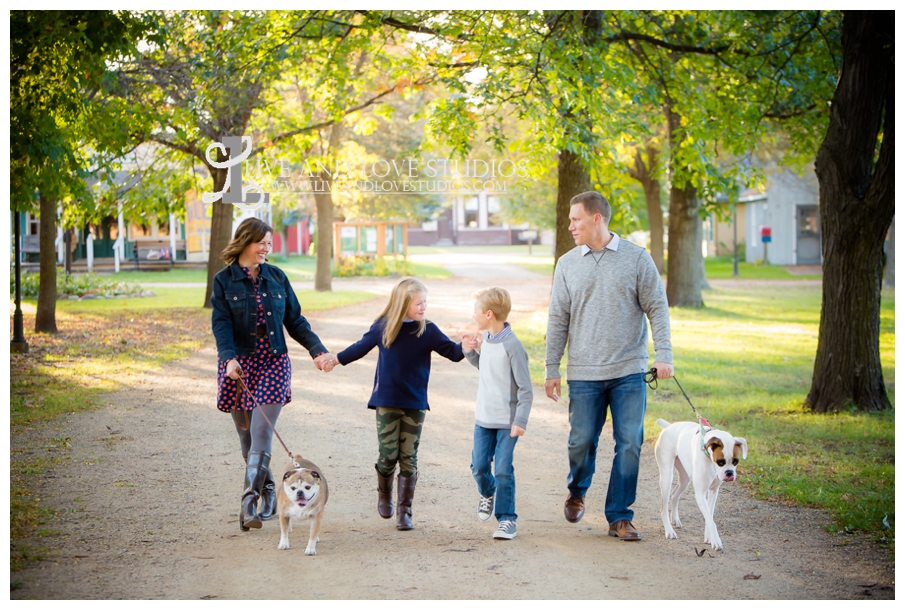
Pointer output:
x,y
594,203
496,300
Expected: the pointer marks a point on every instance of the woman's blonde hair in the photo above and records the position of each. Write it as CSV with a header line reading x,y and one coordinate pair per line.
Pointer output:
x,y
395,311
250,230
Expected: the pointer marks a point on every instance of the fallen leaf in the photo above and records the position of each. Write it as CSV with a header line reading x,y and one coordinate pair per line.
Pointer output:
x,y
751,576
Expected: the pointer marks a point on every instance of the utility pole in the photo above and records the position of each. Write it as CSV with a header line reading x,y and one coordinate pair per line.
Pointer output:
x,y
18,344
735,240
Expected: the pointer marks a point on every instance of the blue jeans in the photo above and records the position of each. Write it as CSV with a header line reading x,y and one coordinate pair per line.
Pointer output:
x,y
588,402
497,446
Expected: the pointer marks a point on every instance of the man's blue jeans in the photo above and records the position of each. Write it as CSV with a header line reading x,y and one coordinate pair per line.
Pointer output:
x,y
626,398
497,446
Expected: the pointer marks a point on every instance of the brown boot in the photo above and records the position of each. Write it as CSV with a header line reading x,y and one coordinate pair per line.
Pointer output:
x,y
624,530
384,494
405,494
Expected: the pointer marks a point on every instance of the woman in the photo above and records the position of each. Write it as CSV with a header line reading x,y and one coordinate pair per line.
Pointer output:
x,y
252,301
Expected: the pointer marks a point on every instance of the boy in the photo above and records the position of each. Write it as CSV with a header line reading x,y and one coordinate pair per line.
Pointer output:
x,y
503,403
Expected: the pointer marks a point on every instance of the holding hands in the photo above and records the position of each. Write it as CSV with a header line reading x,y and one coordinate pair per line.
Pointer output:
x,y
470,341
326,362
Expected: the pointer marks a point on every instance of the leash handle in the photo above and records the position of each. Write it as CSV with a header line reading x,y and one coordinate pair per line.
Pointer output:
x,y
267,419
650,378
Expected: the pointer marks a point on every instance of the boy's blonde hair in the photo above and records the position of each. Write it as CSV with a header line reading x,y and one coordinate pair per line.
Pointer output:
x,y
496,300
394,312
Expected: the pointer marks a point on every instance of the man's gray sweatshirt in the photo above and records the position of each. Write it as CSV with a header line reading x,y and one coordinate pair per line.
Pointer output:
x,y
598,305
504,383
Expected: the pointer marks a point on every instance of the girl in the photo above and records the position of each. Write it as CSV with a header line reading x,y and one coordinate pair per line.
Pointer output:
x,y
252,302
405,341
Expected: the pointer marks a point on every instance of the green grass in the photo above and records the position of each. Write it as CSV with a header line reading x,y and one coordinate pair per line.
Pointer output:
x,y
720,267
746,362
168,298
716,267
296,268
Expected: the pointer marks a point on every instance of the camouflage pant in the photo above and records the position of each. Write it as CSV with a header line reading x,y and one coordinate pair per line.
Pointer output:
x,y
398,436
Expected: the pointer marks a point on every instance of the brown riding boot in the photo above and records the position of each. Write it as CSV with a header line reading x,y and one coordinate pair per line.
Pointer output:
x,y
384,494
405,494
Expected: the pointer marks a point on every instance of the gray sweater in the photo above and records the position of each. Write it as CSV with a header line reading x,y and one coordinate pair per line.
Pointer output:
x,y
598,305
504,383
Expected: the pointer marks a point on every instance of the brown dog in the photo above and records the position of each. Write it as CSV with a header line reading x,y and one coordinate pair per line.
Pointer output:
x,y
302,495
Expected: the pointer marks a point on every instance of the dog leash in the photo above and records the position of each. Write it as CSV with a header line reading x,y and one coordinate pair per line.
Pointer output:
x,y
650,378
240,385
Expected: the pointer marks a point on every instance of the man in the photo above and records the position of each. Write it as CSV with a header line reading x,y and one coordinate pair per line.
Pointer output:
x,y
602,290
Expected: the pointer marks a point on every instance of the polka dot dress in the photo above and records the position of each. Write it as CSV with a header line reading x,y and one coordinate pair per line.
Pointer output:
x,y
267,376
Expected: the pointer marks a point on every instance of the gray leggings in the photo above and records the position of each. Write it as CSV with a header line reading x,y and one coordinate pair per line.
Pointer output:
x,y
259,436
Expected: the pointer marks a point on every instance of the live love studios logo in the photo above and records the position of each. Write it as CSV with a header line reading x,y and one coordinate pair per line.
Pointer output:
x,y
409,176
249,197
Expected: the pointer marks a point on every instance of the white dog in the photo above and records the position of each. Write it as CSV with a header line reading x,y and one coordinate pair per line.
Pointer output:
x,y
705,462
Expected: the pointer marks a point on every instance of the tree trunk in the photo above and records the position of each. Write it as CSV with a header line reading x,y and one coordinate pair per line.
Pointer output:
x,y
284,249
891,255
685,265
46,316
573,179
323,278
645,173
856,208
221,229
323,199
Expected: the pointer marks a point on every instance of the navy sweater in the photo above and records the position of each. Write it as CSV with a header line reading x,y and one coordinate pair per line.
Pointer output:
x,y
404,368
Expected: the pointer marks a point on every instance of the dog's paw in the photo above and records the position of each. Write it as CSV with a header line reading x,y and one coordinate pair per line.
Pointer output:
x,y
311,550
716,545
671,535
282,546
677,524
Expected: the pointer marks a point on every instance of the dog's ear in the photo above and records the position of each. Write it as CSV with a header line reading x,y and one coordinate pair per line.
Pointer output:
x,y
315,474
288,474
740,442
713,444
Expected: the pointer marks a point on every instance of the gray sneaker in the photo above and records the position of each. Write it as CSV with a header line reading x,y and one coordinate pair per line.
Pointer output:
x,y
506,531
485,508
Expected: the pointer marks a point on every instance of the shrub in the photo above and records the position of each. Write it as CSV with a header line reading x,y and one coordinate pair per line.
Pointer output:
x,y
74,285
379,266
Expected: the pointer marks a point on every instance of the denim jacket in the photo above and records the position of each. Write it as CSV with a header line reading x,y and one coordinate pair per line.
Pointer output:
x,y
234,316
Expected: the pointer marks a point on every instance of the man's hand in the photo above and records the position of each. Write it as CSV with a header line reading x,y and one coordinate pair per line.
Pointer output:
x,y
516,431
551,387
664,370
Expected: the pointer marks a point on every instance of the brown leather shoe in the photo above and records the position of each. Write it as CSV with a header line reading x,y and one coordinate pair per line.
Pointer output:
x,y
574,509
624,530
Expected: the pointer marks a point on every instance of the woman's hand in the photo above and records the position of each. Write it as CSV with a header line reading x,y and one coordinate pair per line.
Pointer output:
x,y
233,370
325,362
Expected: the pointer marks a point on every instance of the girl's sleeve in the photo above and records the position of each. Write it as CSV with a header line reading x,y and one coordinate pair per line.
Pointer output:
x,y
443,345
360,348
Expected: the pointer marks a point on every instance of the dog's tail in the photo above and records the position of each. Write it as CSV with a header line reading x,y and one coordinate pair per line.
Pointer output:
x,y
663,423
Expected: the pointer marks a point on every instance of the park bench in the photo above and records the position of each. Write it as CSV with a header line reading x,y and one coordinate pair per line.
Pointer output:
x,y
154,253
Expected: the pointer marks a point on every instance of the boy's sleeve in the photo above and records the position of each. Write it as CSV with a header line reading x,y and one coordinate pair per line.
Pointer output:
x,y
474,357
518,361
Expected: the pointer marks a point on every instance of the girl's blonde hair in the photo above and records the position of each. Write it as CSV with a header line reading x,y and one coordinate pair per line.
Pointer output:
x,y
395,311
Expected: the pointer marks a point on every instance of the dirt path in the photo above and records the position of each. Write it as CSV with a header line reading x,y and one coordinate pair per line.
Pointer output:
x,y
148,507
